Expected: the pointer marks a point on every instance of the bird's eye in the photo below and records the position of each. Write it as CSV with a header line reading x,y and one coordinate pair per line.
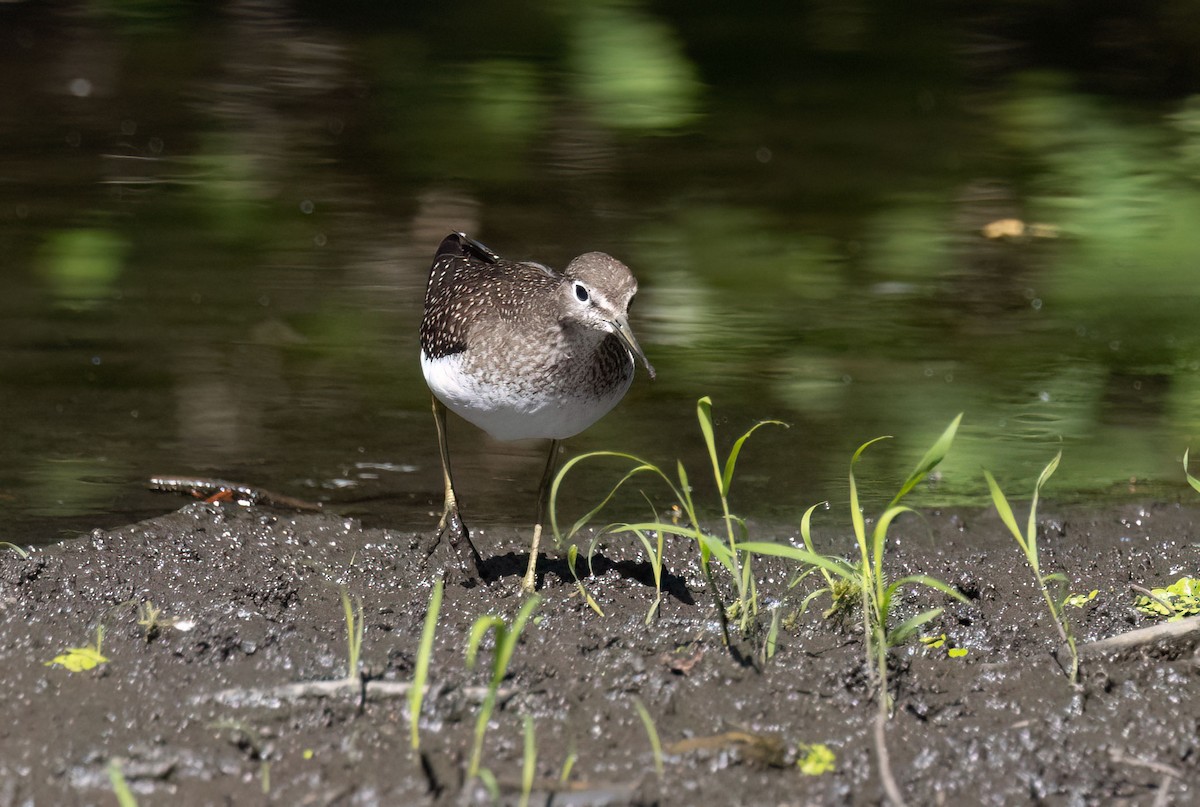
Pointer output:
x,y
581,293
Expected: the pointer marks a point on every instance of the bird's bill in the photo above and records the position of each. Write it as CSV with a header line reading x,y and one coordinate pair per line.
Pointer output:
x,y
625,334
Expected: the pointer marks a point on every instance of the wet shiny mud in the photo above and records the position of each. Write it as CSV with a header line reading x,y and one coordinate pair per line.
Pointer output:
x,y
196,708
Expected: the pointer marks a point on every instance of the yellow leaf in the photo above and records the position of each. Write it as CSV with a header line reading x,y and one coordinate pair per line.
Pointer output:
x,y
956,652
817,759
934,641
1080,600
78,659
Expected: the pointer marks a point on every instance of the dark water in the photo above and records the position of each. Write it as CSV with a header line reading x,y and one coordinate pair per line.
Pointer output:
x,y
216,226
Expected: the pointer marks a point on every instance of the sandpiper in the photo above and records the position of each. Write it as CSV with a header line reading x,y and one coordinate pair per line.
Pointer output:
x,y
523,351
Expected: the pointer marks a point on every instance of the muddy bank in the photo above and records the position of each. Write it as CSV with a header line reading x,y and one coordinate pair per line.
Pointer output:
x,y
194,713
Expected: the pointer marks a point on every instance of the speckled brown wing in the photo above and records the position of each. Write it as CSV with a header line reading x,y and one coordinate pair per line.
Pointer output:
x,y
469,284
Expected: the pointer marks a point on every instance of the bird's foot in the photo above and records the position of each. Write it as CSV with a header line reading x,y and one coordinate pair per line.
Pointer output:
x,y
465,565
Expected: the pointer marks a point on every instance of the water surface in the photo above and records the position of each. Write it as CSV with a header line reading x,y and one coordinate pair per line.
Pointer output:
x,y
216,227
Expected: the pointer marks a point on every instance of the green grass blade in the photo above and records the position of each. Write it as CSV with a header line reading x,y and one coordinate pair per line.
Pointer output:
x,y
640,466
651,734
726,480
858,454
504,650
24,554
856,518
572,556
490,784
482,625
421,671
1031,534
704,415
879,536
528,762
120,787
936,453
355,627
931,582
568,766
812,596
1193,481
1006,514
684,493
824,562
652,526
715,548
909,626
772,643
806,534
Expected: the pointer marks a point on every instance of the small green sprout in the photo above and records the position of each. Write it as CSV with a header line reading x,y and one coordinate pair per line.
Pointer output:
x,y
1080,600
152,621
490,784
1028,541
1180,599
506,637
651,734
528,762
355,627
120,787
934,642
771,643
939,642
14,548
816,759
726,551
80,659
421,671
1193,481
866,575
572,559
568,766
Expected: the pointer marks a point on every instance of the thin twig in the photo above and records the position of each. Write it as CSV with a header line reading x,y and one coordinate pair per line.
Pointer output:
x,y
1163,797
1121,758
204,487
372,690
1143,636
1170,609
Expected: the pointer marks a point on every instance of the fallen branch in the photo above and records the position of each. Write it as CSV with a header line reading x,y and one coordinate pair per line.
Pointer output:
x,y
1143,636
1121,758
214,489
367,690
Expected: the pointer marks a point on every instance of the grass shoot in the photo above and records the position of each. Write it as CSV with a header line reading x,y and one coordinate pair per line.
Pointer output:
x,y
867,575
572,559
568,765
1028,541
725,550
421,669
14,548
528,762
355,627
120,788
1193,481
651,734
505,638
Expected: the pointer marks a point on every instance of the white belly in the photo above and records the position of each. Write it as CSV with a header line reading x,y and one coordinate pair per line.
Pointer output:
x,y
510,410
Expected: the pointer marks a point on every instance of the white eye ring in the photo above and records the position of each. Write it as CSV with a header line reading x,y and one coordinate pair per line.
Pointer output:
x,y
581,292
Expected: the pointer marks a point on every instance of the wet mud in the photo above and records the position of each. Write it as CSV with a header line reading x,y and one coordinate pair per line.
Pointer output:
x,y
196,707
